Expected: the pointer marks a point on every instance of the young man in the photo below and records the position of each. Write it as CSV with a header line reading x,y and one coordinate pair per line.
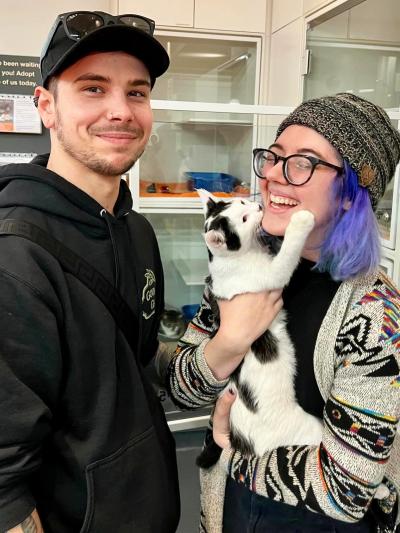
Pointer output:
x,y
84,444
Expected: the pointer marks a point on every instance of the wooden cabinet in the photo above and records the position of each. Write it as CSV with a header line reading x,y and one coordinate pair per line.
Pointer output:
x,y
284,12
334,28
313,5
172,13
285,65
369,21
231,15
24,26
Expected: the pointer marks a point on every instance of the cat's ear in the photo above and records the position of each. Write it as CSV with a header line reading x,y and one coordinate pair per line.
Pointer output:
x,y
208,201
215,239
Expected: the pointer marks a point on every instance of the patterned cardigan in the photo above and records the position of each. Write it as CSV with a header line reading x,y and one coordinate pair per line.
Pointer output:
x,y
356,364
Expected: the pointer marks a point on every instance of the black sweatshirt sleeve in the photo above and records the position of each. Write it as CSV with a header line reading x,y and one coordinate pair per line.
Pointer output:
x,y
30,374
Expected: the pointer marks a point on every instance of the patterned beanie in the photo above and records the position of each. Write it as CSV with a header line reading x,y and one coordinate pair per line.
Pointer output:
x,y
360,131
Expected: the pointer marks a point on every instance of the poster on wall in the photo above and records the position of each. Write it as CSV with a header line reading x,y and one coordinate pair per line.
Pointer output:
x,y
18,114
19,76
15,157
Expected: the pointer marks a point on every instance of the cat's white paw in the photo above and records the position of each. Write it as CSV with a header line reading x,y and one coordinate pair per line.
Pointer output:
x,y
303,220
382,492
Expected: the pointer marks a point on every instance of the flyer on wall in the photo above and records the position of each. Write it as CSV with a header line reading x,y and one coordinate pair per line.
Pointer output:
x,y
18,114
15,157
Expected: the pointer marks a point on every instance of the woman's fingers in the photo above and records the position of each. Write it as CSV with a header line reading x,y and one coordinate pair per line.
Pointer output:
x,y
242,320
246,316
221,427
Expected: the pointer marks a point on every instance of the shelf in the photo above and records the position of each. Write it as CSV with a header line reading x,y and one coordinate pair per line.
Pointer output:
x,y
178,203
192,271
221,121
170,204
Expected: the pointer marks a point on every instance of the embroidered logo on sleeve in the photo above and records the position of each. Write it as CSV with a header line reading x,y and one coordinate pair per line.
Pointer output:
x,y
149,294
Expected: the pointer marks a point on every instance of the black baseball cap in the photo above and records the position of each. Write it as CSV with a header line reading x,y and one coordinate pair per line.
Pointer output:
x,y
110,34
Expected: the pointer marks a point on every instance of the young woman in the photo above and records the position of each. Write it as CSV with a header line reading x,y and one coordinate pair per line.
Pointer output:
x,y
333,156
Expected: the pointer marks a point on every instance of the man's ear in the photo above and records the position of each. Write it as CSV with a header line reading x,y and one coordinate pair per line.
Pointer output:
x,y
46,106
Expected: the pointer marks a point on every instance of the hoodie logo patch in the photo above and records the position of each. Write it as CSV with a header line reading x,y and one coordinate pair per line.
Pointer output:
x,y
149,294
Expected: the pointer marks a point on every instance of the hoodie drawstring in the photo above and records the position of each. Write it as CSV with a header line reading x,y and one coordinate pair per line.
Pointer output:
x,y
105,215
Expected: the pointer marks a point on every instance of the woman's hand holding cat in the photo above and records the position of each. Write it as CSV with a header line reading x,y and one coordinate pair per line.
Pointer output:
x,y
221,426
242,320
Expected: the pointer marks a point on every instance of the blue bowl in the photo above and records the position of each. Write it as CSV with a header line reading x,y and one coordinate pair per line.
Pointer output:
x,y
189,310
210,181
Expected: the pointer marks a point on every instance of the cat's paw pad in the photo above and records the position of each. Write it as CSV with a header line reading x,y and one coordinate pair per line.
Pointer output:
x,y
303,219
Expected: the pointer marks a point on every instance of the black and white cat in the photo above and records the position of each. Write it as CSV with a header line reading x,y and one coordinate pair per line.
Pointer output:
x,y
265,414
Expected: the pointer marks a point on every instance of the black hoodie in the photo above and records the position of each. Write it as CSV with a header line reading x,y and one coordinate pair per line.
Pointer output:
x,y
82,435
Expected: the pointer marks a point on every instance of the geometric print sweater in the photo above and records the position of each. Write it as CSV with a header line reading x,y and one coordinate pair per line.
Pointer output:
x,y
357,368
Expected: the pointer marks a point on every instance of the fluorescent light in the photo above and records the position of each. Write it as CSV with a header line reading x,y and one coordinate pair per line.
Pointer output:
x,y
201,54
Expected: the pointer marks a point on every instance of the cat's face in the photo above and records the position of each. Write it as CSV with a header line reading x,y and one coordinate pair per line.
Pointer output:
x,y
231,225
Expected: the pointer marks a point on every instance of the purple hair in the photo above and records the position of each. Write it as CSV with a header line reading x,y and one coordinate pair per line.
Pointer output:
x,y
352,244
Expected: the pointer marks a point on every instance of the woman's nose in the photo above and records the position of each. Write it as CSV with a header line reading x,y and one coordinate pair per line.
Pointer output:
x,y
275,173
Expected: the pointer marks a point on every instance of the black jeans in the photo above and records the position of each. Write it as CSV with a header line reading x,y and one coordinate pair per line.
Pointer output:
x,y
247,512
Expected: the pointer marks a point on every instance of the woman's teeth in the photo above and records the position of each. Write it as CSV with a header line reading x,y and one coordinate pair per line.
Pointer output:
x,y
282,200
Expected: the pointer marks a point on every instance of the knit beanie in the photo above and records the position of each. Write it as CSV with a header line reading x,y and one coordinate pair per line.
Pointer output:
x,y
360,131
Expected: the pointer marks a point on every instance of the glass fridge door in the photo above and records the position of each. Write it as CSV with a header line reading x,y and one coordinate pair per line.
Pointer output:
x,y
209,68
189,150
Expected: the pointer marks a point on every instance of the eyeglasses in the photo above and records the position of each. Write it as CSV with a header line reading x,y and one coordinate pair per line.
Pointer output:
x,y
297,169
78,24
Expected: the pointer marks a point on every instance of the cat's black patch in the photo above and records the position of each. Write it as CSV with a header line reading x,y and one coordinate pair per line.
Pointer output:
x,y
265,348
246,395
207,317
210,255
215,208
241,443
232,238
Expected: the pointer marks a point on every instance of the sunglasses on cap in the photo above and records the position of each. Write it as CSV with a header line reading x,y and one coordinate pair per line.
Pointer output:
x,y
78,24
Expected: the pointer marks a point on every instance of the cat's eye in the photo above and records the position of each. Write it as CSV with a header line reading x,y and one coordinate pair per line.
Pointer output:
x,y
244,218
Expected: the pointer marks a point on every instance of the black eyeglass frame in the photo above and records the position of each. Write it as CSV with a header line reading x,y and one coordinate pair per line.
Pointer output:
x,y
106,18
313,160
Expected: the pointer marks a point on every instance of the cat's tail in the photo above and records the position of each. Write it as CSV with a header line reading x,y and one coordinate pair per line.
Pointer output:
x,y
211,452
209,456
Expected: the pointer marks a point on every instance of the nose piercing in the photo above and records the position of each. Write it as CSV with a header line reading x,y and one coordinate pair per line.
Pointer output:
x,y
111,115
